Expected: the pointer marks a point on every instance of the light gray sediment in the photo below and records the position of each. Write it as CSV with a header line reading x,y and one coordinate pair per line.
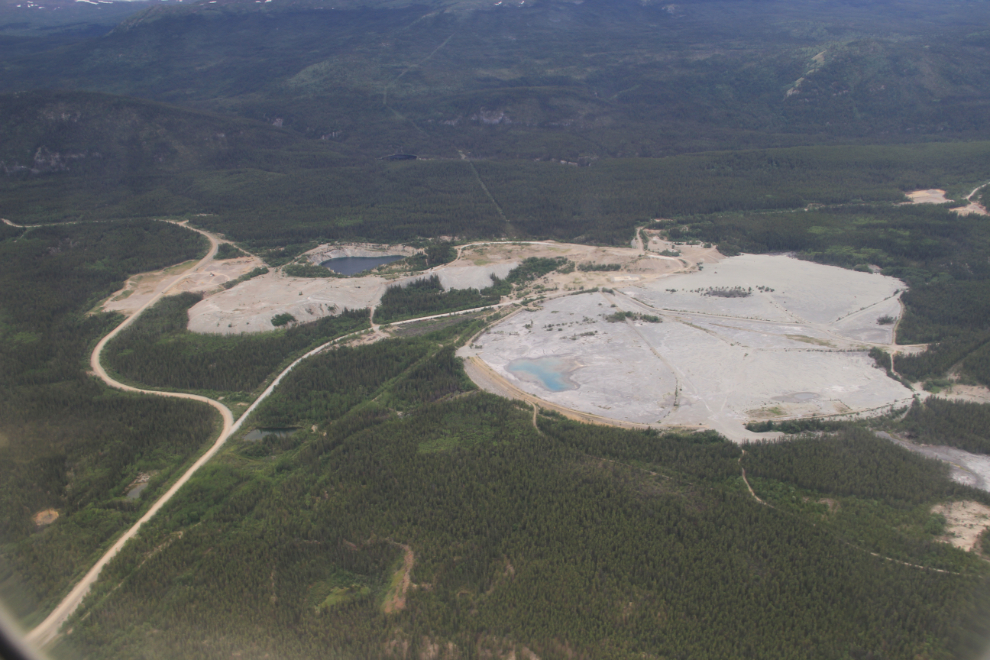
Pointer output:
x,y
966,468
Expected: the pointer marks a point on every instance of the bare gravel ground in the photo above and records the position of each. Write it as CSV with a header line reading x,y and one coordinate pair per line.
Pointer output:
x,y
141,288
965,521
606,358
714,362
250,306
931,196
802,292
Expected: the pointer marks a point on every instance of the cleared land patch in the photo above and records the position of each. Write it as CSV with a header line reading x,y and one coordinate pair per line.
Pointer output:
x,y
795,347
250,306
931,196
139,289
964,522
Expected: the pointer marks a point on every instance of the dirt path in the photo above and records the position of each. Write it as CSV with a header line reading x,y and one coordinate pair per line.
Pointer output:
x,y
637,242
48,629
746,481
976,190
973,207
498,207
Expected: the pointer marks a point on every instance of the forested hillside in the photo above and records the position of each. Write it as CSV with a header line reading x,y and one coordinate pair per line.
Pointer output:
x,y
561,80
567,540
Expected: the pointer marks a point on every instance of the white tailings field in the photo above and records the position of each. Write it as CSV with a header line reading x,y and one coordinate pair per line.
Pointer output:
x,y
793,349
250,306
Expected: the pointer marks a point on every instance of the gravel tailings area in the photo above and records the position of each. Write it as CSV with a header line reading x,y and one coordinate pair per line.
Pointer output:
x,y
969,469
793,349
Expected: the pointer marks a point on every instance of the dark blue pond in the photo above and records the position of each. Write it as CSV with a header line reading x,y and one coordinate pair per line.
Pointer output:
x,y
355,265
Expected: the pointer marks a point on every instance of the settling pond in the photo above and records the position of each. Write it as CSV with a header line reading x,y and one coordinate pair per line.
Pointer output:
x,y
551,372
355,265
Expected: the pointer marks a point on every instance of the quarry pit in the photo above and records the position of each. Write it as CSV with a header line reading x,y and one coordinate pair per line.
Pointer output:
x,y
785,339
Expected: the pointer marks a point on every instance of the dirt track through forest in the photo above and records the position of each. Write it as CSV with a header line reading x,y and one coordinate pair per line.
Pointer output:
x,y
48,629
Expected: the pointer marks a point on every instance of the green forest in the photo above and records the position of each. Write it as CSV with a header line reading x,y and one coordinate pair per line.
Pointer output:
x,y
157,350
425,297
66,442
959,424
532,533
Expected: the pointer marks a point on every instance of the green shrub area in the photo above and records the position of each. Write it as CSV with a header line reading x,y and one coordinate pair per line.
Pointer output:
x,y
158,350
961,424
282,320
66,442
619,317
432,256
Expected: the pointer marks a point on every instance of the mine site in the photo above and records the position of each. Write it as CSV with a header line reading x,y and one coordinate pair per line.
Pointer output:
x,y
745,339
655,334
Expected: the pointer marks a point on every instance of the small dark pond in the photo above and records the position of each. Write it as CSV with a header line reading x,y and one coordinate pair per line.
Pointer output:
x,y
135,492
355,265
260,434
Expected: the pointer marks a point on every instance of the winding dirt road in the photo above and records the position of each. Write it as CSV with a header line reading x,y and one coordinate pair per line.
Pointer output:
x,y
48,629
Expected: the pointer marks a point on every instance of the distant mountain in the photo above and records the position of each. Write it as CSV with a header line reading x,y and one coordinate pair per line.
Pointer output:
x,y
545,79
66,18
97,134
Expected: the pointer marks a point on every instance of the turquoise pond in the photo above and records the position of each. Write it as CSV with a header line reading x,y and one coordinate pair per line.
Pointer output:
x,y
552,373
